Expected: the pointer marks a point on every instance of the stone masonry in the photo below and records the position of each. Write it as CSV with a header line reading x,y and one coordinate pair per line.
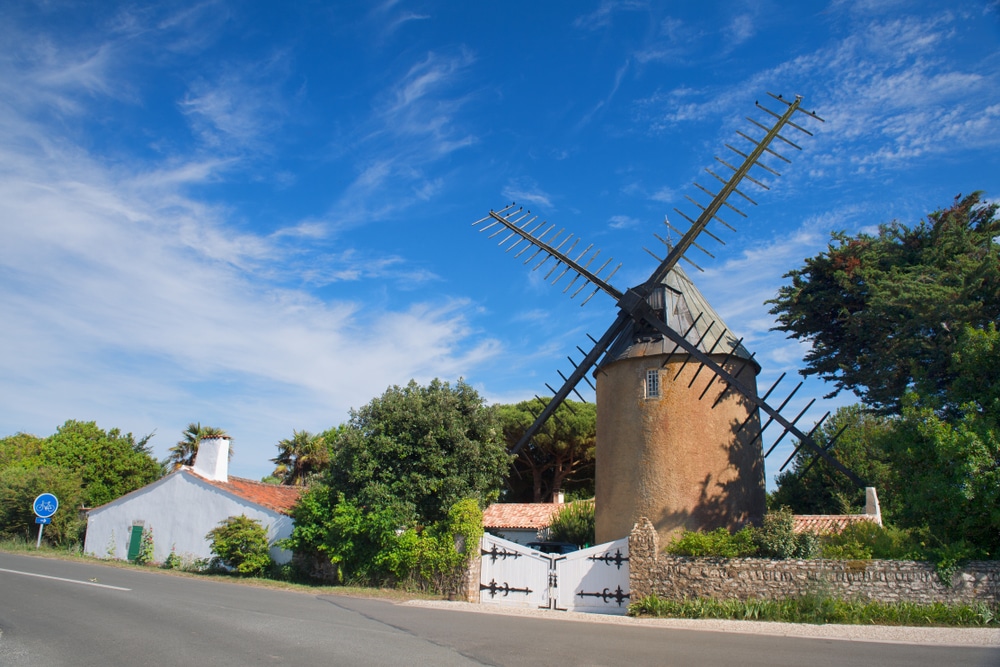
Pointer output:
x,y
672,577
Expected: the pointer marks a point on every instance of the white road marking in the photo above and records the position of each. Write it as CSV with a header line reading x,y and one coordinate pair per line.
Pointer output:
x,y
69,581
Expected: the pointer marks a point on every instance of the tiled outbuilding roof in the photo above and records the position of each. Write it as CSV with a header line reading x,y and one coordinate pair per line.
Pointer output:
x,y
277,497
520,515
539,515
827,523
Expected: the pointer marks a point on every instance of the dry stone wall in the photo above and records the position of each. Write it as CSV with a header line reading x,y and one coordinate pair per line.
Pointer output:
x,y
673,577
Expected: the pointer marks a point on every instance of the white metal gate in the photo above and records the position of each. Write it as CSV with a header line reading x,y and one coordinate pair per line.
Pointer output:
x,y
591,580
513,575
594,579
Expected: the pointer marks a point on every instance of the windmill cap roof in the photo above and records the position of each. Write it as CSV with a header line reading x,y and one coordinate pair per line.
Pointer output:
x,y
685,310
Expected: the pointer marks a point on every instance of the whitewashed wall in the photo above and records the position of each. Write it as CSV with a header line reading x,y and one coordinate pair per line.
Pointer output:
x,y
181,509
519,535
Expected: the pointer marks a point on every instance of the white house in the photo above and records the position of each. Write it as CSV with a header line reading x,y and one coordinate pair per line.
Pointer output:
x,y
183,506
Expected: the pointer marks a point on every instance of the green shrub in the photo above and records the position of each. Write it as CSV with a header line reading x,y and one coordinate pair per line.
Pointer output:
x,y
241,544
173,561
777,539
845,551
437,557
574,523
718,543
866,539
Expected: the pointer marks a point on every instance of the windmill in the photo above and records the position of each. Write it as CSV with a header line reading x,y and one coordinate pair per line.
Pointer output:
x,y
694,461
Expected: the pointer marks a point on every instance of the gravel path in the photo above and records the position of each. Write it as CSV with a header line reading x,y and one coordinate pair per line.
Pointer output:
x,y
865,633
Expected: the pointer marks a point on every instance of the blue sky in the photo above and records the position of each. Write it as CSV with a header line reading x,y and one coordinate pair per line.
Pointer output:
x,y
258,215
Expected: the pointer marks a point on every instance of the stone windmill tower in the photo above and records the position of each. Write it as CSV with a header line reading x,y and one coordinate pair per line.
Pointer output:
x,y
670,444
679,436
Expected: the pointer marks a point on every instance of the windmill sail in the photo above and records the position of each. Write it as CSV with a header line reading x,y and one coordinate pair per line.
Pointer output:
x,y
543,246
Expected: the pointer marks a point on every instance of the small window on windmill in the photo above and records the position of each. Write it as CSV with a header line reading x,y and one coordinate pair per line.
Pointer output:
x,y
653,383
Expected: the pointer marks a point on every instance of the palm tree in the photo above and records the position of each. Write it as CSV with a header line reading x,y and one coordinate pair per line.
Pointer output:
x,y
300,457
183,453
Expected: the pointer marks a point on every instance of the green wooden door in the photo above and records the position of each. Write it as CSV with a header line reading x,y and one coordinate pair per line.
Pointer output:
x,y
134,542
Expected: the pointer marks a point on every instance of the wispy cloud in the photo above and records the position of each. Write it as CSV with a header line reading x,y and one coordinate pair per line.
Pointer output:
x,y
623,222
604,14
120,288
889,98
531,195
240,108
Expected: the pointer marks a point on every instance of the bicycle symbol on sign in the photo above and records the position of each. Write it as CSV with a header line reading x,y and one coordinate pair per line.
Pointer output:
x,y
46,505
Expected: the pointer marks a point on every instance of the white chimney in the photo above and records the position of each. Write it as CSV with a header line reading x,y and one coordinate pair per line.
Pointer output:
x,y
559,497
212,459
872,507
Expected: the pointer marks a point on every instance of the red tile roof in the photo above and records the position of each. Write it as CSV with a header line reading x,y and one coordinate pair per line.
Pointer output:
x,y
827,523
520,515
276,497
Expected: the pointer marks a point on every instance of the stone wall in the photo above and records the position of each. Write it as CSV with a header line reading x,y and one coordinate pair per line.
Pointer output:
x,y
674,577
469,585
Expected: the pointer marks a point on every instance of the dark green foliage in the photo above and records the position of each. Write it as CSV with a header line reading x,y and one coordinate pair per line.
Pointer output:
x,y
949,478
370,547
814,609
776,538
883,313
934,474
419,450
21,484
866,539
908,319
301,457
574,523
861,447
81,464
240,543
110,464
561,455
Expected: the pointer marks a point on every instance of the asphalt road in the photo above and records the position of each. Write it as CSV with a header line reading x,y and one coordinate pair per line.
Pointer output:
x,y
55,613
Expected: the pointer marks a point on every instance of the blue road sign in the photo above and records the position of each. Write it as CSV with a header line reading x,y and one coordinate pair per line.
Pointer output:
x,y
43,519
46,505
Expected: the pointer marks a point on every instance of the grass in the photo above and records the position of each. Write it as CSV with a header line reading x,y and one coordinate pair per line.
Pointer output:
x,y
821,610
74,553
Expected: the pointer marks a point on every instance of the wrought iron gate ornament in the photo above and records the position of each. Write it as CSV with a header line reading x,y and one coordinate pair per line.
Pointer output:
x,y
618,559
505,588
618,595
494,553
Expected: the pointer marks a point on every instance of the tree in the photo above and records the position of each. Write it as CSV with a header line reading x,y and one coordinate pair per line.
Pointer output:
x,y
419,450
19,447
241,543
110,464
300,457
574,523
560,453
19,486
815,487
186,449
948,468
938,473
883,312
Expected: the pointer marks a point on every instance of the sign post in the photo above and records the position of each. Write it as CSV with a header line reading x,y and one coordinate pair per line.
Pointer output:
x,y
45,506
